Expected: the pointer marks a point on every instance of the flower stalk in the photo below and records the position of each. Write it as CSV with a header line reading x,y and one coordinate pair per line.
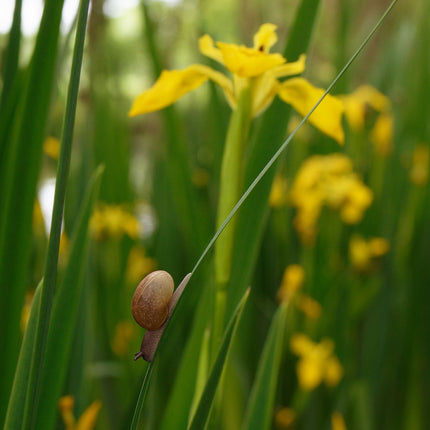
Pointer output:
x,y
231,182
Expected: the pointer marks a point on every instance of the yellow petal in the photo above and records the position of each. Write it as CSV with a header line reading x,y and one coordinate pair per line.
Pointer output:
x,y
379,246
310,307
333,371
300,344
248,62
355,111
420,165
265,88
300,94
337,421
173,84
208,48
88,419
373,97
51,147
382,134
265,37
285,417
289,69
66,405
309,373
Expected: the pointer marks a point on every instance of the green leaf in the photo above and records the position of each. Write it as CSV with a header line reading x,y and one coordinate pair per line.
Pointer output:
x,y
65,313
207,399
19,389
50,274
261,402
19,181
141,398
10,81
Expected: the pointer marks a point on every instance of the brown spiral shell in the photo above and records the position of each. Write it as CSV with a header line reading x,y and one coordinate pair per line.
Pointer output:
x,y
150,304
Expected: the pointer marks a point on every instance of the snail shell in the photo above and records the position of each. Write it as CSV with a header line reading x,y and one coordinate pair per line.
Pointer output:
x,y
150,304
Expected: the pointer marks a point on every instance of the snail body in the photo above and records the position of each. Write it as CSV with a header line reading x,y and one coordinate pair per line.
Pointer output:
x,y
151,306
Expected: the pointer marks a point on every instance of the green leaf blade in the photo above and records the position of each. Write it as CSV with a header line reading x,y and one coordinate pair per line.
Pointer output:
x,y
14,415
65,313
260,407
19,188
206,401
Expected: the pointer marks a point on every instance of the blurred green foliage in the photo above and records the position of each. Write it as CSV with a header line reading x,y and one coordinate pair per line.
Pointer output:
x,y
358,304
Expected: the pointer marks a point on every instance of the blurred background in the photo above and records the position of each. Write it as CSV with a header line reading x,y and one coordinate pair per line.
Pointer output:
x,y
361,280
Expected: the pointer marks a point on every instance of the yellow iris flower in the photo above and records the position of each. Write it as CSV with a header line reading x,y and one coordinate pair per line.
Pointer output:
x,y
327,180
254,68
317,362
362,253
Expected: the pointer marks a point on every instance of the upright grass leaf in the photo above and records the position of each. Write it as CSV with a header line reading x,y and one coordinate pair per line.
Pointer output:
x,y
19,188
47,294
260,409
206,401
19,389
10,75
11,55
65,313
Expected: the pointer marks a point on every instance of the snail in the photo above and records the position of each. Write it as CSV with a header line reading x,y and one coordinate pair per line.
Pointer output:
x,y
151,306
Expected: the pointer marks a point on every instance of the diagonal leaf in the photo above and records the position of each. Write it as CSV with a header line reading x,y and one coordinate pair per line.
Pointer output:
x,y
65,313
141,398
260,407
206,401
19,389
184,385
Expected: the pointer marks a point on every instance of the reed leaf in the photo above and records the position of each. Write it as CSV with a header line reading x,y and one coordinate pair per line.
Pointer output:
x,y
47,294
207,399
14,415
260,409
19,187
65,312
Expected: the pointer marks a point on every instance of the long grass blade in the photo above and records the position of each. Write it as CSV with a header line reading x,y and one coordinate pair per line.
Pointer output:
x,y
47,294
65,313
11,55
19,179
206,401
19,389
142,395
10,77
260,408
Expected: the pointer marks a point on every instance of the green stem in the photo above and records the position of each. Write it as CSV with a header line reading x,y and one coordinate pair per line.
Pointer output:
x,y
231,181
